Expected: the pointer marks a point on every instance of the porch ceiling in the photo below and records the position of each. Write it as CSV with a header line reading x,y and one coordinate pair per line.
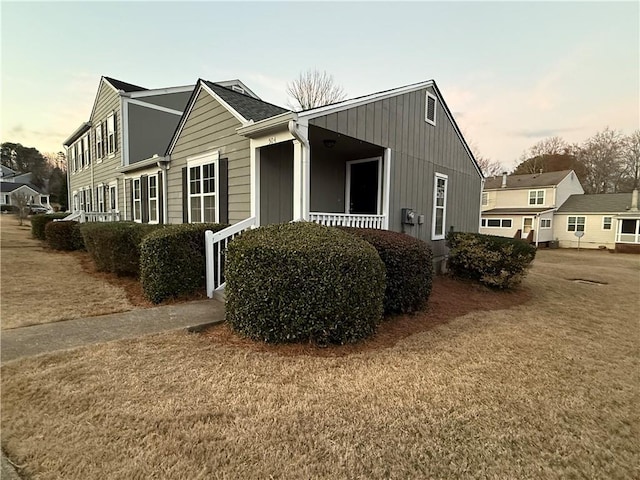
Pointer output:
x,y
341,145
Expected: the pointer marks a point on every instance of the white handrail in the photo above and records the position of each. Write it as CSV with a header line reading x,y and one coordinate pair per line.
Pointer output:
x,y
347,220
215,247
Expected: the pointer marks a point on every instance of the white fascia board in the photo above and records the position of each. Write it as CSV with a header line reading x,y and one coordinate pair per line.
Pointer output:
x,y
161,91
224,104
276,122
148,162
356,102
185,116
152,106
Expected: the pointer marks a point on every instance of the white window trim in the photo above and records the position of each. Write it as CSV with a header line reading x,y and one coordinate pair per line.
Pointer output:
x,y
347,195
441,236
199,161
139,200
484,199
100,199
542,227
544,194
150,198
610,217
99,156
426,109
584,223
485,220
86,152
113,185
111,153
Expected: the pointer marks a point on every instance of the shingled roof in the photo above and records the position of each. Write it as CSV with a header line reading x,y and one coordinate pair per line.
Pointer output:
x,y
124,86
596,203
547,179
249,107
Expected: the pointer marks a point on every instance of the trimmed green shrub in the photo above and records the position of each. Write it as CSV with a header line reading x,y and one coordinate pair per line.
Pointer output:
x,y
63,235
115,246
38,223
301,282
9,209
408,262
498,262
172,260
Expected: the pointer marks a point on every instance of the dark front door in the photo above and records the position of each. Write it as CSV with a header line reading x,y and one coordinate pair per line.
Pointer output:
x,y
363,187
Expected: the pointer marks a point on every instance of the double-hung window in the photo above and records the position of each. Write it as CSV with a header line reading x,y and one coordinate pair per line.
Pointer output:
x,y
153,198
100,197
74,158
575,224
545,223
86,151
439,206
111,134
80,153
606,223
202,176
99,143
137,200
536,197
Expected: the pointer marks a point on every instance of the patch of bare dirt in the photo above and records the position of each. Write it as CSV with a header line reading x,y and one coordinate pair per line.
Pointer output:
x,y
450,298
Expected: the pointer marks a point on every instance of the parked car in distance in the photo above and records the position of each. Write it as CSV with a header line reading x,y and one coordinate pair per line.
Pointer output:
x,y
36,209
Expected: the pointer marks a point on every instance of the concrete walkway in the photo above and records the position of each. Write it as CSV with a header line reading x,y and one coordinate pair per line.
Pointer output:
x,y
49,337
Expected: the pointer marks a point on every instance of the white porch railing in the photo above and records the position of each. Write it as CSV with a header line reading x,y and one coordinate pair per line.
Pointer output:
x,y
215,247
347,220
82,216
627,237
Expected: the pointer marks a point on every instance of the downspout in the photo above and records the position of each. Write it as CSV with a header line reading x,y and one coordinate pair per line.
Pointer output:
x,y
165,189
69,205
537,229
480,209
306,164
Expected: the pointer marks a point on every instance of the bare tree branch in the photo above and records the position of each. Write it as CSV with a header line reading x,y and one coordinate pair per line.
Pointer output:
x,y
314,89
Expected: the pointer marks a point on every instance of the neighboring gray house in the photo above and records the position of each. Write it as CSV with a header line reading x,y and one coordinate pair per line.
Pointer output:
x,y
394,159
610,220
12,182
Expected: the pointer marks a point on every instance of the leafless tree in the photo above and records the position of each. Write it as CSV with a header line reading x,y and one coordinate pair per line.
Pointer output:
x,y
314,89
533,159
632,160
21,202
602,156
489,167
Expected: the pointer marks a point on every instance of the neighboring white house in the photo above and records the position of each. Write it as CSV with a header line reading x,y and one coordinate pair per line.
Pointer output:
x,y
610,220
12,182
523,206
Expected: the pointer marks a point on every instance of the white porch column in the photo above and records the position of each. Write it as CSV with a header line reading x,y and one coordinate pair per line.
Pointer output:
x,y
301,181
254,167
386,189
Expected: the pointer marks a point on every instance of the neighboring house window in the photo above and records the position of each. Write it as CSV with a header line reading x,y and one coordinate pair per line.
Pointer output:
x,y
497,222
536,197
99,142
100,196
153,199
485,199
575,224
606,223
430,109
137,201
76,202
43,199
89,199
86,154
111,134
545,223
202,187
113,197
73,159
439,206
7,199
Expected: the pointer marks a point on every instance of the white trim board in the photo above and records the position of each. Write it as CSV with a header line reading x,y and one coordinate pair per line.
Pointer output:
x,y
160,91
152,106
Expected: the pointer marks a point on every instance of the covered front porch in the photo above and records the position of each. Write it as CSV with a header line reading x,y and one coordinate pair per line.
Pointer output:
x,y
314,174
628,233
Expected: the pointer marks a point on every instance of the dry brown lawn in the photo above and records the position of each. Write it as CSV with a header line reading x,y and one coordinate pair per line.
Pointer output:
x,y
38,285
544,386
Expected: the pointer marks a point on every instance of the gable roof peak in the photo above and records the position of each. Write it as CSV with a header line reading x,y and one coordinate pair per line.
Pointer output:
x,y
124,86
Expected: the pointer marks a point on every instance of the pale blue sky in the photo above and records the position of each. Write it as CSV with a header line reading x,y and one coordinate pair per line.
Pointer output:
x,y
512,73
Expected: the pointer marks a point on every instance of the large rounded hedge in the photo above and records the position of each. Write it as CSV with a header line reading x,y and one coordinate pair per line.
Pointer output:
x,y
63,235
172,260
409,267
38,222
302,282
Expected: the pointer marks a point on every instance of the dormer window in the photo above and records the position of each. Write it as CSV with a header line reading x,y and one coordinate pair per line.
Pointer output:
x,y
536,197
430,109
238,89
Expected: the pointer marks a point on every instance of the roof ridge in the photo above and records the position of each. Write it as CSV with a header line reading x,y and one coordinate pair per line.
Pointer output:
x,y
244,94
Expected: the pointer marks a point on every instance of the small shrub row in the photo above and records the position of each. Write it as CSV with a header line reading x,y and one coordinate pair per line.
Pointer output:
x,y
303,282
408,263
63,235
172,260
38,223
9,209
115,246
498,262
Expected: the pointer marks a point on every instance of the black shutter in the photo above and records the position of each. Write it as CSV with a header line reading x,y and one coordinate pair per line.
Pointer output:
x,y
144,198
185,198
129,186
160,199
223,190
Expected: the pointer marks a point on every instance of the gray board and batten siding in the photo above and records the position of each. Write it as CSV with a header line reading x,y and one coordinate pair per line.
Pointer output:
x,y
276,183
418,151
149,131
211,127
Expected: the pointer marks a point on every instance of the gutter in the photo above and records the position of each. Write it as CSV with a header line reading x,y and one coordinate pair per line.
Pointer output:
x,y
148,162
85,126
294,129
272,123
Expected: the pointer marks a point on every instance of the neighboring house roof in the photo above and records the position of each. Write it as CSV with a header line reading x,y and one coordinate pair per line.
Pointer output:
x,y
8,187
124,86
7,172
250,108
516,211
547,179
597,203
